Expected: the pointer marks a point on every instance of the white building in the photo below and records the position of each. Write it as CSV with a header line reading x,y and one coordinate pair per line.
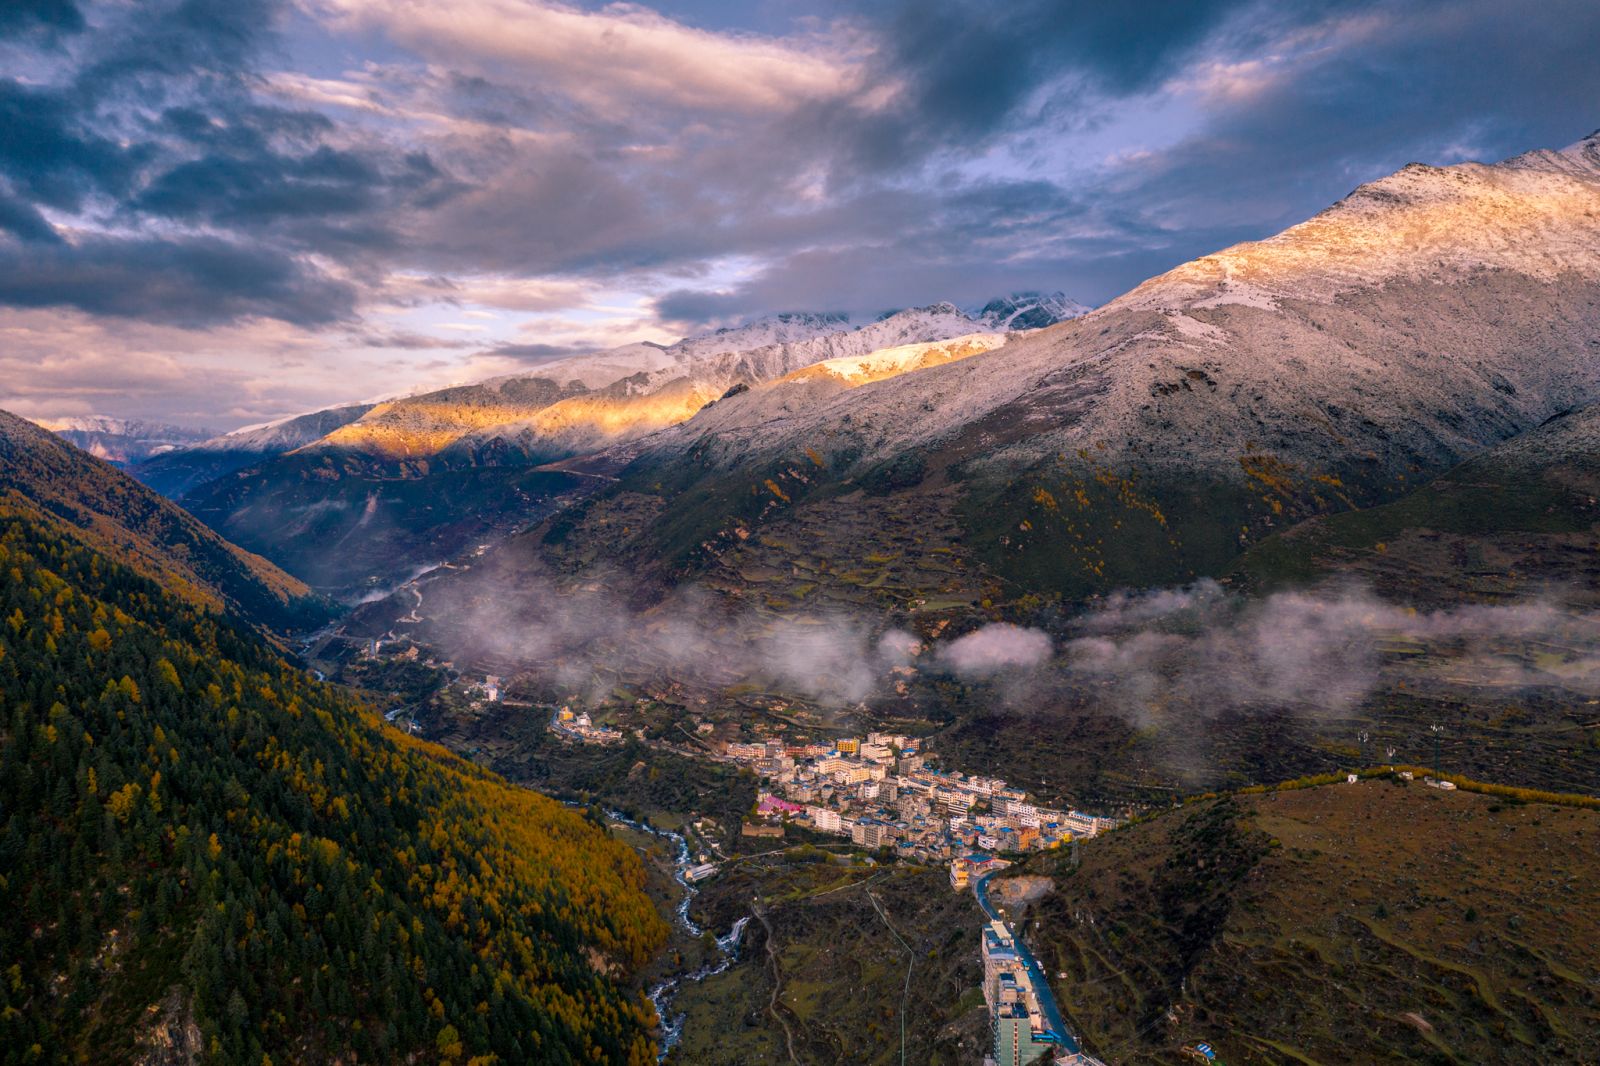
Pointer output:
x,y
825,819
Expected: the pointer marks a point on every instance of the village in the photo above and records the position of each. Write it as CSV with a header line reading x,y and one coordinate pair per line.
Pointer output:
x,y
881,792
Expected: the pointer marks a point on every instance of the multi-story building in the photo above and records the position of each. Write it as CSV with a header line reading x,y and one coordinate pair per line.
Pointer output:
x,y
871,833
999,956
851,773
1087,825
1016,1042
953,801
825,819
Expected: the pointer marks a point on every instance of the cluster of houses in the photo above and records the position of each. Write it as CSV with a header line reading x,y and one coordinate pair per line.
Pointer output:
x,y
880,792
582,727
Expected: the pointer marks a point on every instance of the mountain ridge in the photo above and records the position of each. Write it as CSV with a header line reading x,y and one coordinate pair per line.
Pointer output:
x,y
122,441
1182,422
62,485
415,481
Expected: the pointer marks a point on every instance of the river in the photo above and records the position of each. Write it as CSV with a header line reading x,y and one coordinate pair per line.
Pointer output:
x,y
663,993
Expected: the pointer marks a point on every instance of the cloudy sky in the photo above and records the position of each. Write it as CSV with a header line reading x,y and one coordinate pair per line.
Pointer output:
x,y
216,212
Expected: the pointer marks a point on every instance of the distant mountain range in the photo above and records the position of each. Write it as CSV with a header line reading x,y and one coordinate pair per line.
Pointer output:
x,y
122,441
1424,319
175,471
412,481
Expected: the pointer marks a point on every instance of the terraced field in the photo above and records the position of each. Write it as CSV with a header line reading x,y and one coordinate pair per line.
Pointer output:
x,y
898,554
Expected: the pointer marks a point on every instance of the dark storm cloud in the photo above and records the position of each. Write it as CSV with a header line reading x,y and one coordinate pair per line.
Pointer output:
x,y
24,222
207,201
49,153
970,66
195,282
50,17
1297,104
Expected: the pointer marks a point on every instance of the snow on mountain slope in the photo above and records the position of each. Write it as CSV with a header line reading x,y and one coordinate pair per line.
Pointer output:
x,y
121,441
852,371
1429,315
806,390
1527,215
175,472
586,403
1028,310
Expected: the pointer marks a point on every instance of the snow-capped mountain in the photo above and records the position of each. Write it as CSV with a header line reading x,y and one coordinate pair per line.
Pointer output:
x,y
1427,316
173,472
1527,215
1027,310
584,403
120,440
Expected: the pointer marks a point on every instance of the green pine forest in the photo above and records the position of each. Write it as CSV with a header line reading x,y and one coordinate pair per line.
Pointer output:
x,y
201,847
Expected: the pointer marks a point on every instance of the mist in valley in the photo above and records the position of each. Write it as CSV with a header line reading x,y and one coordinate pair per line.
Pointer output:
x,y
1200,651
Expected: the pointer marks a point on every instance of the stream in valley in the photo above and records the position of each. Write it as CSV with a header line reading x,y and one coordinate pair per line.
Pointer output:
x,y
664,992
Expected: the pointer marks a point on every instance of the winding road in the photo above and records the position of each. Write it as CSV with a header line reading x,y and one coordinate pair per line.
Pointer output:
x,y
1056,1031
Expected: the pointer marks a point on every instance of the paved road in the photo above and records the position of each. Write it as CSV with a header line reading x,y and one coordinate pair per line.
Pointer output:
x,y
1055,1026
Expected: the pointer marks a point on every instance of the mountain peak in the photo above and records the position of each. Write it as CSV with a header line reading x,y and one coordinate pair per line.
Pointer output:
x,y
121,440
1532,214
1580,159
1028,310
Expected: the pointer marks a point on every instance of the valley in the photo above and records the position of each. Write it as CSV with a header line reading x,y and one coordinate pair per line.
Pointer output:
x,y
1211,675
783,574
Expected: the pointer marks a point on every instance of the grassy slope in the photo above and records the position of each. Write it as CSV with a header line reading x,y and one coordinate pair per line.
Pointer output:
x,y
133,525
1521,516
1376,922
822,972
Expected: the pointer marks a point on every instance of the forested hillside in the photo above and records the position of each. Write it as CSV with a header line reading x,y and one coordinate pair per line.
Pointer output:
x,y
206,856
133,525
